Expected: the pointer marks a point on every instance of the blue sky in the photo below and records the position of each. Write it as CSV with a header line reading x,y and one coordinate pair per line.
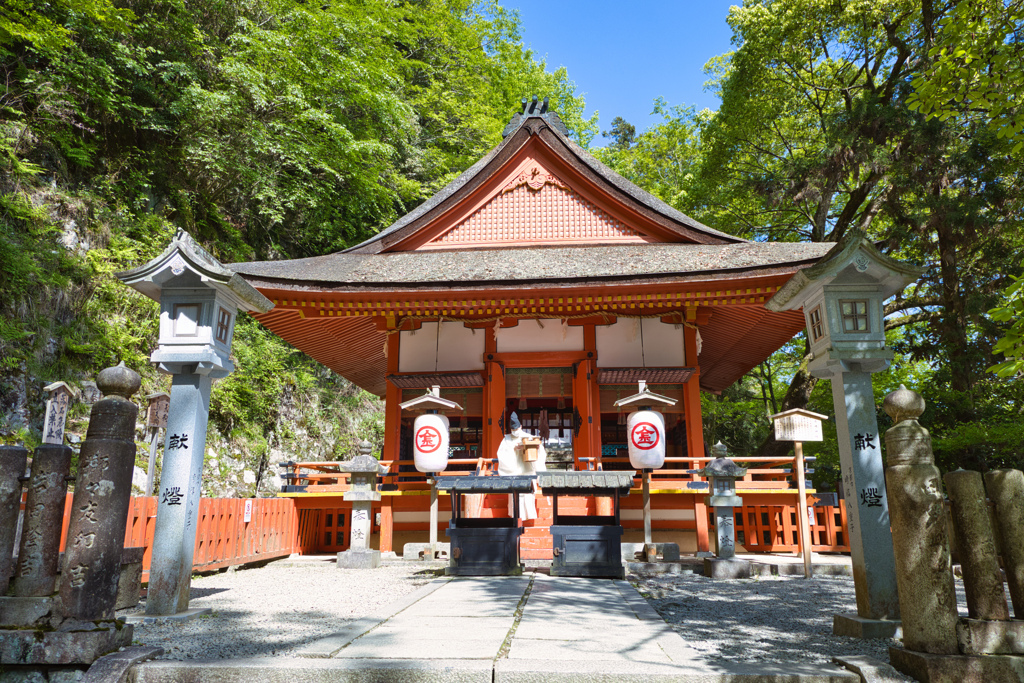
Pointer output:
x,y
622,55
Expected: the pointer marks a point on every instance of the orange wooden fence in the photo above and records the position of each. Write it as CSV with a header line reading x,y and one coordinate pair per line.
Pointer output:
x,y
223,537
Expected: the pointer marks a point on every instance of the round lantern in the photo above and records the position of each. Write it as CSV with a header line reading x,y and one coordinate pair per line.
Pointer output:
x,y
645,435
430,443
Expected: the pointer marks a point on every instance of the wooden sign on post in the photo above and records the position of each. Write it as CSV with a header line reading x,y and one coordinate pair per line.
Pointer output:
x,y
57,405
156,414
799,425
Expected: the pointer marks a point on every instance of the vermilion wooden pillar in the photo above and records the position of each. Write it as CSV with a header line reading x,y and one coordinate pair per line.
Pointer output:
x,y
695,425
493,399
392,437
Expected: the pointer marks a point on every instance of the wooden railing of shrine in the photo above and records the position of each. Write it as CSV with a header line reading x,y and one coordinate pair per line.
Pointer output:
x,y
223,537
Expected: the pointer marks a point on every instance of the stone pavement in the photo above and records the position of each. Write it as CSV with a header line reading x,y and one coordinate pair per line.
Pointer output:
x,y
531,628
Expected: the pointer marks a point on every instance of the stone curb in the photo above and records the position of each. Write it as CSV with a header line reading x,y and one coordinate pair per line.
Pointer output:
x,y
559,671
871,670
280,670
113,668
329,646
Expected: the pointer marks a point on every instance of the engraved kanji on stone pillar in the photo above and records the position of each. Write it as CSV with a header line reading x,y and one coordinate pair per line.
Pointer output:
x,y
103,487
12,466
36,574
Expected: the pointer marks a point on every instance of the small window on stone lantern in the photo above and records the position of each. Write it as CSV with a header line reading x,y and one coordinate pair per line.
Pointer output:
x,y
855,316
186,320
817,327
223,325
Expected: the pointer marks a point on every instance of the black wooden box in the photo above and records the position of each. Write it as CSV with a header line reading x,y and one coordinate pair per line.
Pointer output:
x,y
587,546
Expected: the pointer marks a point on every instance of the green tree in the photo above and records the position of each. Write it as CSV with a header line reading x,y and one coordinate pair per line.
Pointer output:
x,y
622,133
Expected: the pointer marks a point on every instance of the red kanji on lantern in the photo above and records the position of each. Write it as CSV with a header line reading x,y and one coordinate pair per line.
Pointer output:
x,y
644,436
428,439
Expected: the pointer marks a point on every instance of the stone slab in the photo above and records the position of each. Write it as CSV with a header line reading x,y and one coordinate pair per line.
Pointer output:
x,y
981,637
325,647
61,647
371,646
854,626
556,671
871,670
15,611
180,617
359,559
718,568
421,551
664,568
581,649
113,668
466,628
299,670
666,552
957,668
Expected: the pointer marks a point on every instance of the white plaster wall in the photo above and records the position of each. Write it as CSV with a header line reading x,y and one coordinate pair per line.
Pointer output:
x,y
460,348
663,344
618,345
529,336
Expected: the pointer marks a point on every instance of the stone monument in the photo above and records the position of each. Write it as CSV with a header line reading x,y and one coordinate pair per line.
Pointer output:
x,y
363,493
199,300
40,625
841,297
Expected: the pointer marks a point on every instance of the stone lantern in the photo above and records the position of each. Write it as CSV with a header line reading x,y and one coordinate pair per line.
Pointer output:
x,y
841,297
199,300
430,444
364,470
722,474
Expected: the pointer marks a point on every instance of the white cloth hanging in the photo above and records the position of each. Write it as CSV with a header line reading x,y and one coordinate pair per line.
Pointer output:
x,y
510,463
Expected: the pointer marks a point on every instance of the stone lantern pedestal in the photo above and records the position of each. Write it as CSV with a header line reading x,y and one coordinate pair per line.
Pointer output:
x,y
363,493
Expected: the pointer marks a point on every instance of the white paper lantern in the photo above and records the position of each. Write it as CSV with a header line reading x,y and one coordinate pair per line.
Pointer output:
x,y
645,433
430,443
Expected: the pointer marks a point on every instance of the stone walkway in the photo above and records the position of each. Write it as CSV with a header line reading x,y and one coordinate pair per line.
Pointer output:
x,y
533,628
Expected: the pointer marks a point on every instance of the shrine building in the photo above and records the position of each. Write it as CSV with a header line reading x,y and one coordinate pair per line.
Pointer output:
x,y
539,282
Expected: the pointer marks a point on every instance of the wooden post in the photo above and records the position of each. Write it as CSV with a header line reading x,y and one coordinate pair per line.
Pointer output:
x,y
151,468
801,494
433,516
387,524
645,477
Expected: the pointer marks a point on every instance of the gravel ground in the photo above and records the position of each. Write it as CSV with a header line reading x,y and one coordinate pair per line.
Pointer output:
x,y
276,609
767,619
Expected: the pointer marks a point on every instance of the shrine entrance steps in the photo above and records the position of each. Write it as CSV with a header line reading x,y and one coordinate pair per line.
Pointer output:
x,y
532,628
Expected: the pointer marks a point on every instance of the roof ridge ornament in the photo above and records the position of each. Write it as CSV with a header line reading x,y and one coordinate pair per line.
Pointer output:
x,y
534,107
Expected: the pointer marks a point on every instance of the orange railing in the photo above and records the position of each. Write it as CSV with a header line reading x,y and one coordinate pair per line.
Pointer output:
x,y
223,537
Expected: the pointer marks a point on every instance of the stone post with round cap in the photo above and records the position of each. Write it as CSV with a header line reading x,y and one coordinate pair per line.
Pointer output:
x,y
920,544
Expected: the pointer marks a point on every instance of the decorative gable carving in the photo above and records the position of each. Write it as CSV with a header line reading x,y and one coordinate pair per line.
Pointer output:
x,y
536,207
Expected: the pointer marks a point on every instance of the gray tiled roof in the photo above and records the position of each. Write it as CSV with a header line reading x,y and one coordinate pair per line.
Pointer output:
x,y
485,484
556,264
582,481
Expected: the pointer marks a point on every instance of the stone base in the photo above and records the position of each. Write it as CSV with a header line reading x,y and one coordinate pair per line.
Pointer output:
x,y
719,568
359,559
129,585
187,615
421,551
957,668
854,626
62,647
24,612
703,553
982,637
664,552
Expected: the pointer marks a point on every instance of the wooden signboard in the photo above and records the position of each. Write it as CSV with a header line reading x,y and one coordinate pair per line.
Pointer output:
x,y
56,412
156,414
798,425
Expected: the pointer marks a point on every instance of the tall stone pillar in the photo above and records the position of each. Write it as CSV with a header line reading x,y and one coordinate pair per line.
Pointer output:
x,y
363,493
36,574
12,466
920,542
1006,490
976,546
174,536
103,489
867,507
